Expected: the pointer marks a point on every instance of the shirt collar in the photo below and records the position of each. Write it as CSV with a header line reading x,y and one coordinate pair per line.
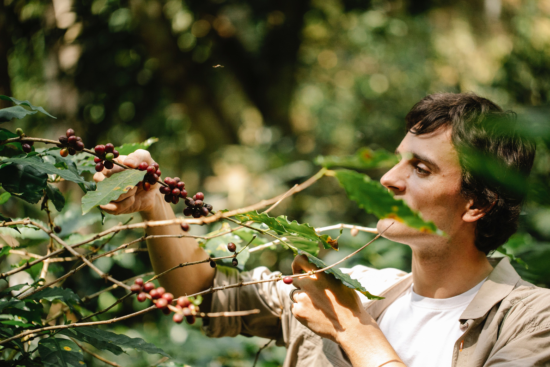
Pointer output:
x,y
498,285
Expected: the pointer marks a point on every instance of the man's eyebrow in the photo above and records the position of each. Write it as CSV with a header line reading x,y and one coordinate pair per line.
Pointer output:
x,y
420,158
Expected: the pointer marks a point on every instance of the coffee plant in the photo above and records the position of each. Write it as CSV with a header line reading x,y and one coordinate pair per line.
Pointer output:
x,y
34,332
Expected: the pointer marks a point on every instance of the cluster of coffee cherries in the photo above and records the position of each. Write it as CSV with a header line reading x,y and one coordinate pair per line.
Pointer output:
x,y
104,156
163,300
152,175
196,206
70,143
231,247
174,190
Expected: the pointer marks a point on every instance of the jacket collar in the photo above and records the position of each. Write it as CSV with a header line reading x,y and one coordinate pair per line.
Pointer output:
x,y
498,285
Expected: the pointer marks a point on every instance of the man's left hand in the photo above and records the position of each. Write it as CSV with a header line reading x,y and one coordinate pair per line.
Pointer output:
x,y
324,305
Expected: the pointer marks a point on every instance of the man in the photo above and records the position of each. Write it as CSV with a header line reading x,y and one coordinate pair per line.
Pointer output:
x,y
456,308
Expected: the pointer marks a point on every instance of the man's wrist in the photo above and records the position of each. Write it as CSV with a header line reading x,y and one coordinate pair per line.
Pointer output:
x,y
159,210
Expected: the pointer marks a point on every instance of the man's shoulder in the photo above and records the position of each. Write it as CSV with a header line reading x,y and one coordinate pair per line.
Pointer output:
x,y
526,309
529,296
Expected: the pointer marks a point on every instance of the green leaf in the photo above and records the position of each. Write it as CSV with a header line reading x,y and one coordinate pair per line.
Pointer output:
x,y
302,236
27,309
130,148
364,158
48,168
503,250
69,164
56,197
11,149
16,323
4,197
111,188
15,112
56,352
376,199
28,104
7,291
6,333
5,250
24,181
337,273
112,342
67,296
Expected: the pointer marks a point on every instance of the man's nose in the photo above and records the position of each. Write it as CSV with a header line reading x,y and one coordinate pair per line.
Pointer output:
x,y
394,179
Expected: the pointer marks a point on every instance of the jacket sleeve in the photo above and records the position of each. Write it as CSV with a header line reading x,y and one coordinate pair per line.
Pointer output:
x,y
268,297
524,338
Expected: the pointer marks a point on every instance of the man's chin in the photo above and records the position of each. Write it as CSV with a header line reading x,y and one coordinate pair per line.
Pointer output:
x,y
396,231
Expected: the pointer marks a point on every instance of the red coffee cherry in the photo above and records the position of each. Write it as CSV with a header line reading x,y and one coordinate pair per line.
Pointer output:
x,y
99,149
142,297
109,148
183,302
199,195
169,297
138,281
185,227
64,152
231,247
178,318
161,303
161,291
135,288
287,280
70,132
143,166
148,287
154,294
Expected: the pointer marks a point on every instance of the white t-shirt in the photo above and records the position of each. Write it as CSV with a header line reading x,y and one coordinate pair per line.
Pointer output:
x,y
423,331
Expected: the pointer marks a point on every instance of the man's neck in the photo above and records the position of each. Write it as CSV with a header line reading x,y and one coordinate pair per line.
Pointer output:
x,y
450,274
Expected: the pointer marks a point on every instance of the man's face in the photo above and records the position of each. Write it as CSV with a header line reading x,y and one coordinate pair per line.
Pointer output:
x,y
428,178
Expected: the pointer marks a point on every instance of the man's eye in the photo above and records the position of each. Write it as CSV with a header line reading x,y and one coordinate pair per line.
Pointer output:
x,y
421,171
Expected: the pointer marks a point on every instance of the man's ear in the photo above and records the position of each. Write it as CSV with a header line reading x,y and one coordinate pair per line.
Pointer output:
x,y
475,212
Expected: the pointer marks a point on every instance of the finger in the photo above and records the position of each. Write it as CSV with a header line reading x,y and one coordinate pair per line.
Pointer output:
x,y
302,265
126,195
115,169
98,177
134,159
116,208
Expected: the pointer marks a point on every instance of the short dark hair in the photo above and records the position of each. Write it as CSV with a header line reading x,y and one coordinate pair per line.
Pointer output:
x,y
482,127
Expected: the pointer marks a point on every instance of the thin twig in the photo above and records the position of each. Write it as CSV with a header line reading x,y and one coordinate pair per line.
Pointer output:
x,y
117,319
259,351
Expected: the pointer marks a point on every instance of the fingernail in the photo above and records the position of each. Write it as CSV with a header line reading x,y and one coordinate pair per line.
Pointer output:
x,y
130,162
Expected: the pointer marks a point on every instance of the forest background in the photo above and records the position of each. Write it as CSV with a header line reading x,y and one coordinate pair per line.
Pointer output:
x,y
244,95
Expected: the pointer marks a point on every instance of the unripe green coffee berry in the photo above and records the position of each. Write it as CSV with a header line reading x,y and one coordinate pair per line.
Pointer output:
x,y
109,156
19,131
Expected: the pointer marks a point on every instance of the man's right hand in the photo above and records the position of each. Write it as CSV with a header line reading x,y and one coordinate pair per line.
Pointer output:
x,y
137,199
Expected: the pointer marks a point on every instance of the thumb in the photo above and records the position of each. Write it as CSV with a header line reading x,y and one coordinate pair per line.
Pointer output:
x,y
302,265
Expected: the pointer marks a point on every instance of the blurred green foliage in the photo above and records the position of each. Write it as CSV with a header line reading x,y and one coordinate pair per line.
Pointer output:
x,y
243,95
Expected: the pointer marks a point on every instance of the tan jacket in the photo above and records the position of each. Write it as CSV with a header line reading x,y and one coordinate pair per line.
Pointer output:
x,y
506,325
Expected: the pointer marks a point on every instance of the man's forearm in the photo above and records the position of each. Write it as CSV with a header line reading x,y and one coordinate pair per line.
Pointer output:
x,y
366,346
166,253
